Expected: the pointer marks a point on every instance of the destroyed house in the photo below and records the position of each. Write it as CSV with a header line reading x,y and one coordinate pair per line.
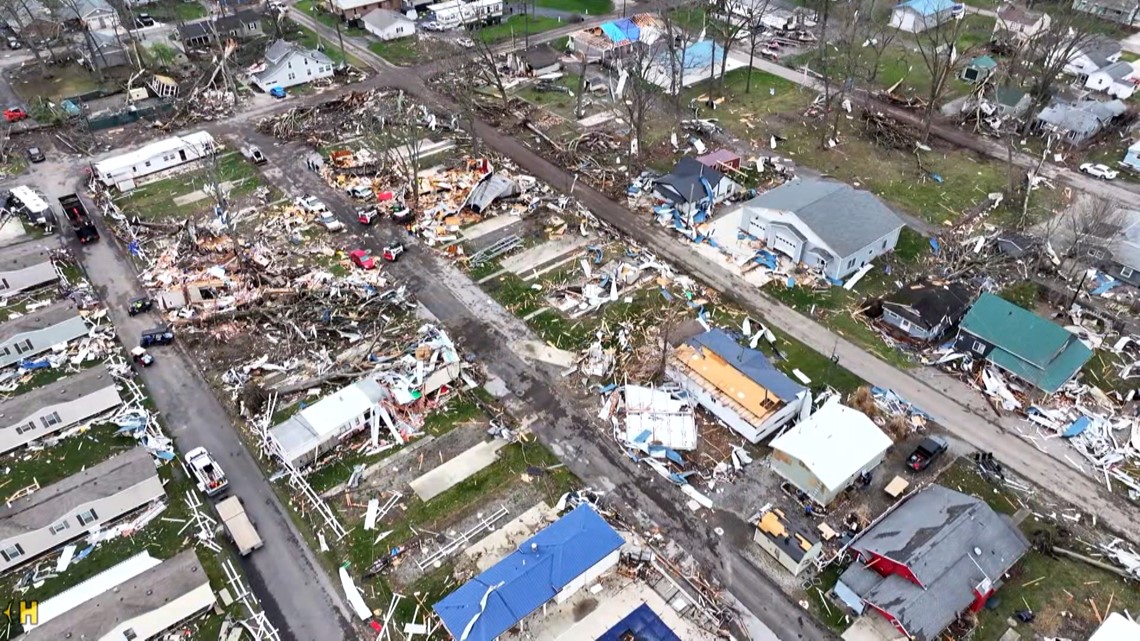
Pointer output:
x,y
1126,12
355,9
35,333
318,428
26,266
140,608
243,24
1022,343
737,384
539,60
693,186
1095,53
288,65
793,547
934,556
827,453
552,565
1079,122
124,170
1115,249
55,407
65,511
611,40
1117,80
823,224
924,310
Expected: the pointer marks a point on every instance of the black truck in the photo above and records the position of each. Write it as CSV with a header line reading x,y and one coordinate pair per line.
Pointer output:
x,y
77,215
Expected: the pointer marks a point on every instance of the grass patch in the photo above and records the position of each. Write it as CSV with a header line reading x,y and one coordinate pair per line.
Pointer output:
x,y
1022,293
587,7
155,201
62,81
70,456
560,103
516,28
768,94
175,11
398,52
832,615
310,39
962,475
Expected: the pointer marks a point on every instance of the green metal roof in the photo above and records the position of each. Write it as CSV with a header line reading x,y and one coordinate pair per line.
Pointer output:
x,y
1034,349
983,62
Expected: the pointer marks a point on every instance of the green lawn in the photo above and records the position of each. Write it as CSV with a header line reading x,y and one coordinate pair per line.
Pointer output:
x,y
516,28
156,200
175,11
62,81
401,52
70,456
768,94
586,7
316,9
311,40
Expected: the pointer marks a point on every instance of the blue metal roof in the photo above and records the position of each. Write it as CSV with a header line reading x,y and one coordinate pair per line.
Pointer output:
x,y
644,624
753,364
491,603
929,7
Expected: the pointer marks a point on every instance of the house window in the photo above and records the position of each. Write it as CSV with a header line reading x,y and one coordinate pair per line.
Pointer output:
x,y
14,552
291,76
26,427
1095,253
51,419
884,244
23,346
904,324
3,283
850,263
147,163
979,347
1126,272
59,527
87,517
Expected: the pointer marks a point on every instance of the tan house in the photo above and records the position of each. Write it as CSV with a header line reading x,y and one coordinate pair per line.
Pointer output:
x,y
1016,25
62,512
357,9
38,332
56,407
26,266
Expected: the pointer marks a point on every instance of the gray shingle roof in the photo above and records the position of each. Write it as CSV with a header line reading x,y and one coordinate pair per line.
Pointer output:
x,y
845,218
384,18
951,542
46,317
1069,118
65,390
749,362
1117,70
96,482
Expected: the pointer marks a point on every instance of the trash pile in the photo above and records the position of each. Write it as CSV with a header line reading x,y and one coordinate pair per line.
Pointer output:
x,y
601,282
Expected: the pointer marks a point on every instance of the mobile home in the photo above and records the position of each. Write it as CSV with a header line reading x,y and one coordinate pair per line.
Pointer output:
x,y
456,13
125,171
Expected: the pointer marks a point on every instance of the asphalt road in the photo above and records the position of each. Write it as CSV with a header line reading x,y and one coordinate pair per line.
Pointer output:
x,y
297,595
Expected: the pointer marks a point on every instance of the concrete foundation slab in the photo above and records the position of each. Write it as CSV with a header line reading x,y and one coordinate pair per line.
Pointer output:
x,y
490,549
490,225
545,353
548,252
461,467
872,627
12,232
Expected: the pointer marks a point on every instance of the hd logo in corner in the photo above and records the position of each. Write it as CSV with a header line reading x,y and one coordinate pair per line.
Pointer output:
x,y
29,612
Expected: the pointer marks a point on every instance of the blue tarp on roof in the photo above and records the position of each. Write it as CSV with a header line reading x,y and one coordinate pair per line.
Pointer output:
x,y
491,603
644,624
929,7
614,32
632,31
753,364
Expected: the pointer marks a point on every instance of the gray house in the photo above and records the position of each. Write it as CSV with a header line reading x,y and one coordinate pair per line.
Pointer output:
x,y
288,65
142,607
38,332
62,512
1126,12
924,310
240,25
26,266
933,557
1115,249
823,224
56,407
1079,122
691,183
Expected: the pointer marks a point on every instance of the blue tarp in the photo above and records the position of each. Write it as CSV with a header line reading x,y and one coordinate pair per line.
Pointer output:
x,y
632,32
614,33
935,246
493,602
644,624
1078,426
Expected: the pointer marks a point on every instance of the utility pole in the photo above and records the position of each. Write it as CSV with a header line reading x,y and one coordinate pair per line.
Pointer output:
x,y
526,19
339,37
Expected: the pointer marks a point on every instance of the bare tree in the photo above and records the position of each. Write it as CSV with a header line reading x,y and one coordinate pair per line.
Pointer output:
x,y
94,51
25,17
1048,53
398,137
676,41
639,98
938,48
751,11
1086,226
727,26
878,35
580,99
485,64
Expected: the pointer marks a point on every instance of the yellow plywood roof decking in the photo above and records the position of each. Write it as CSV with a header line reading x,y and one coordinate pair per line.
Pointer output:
x,y
772,524
742,390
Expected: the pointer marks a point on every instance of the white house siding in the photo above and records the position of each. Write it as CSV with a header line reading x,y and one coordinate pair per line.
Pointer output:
x,y
37,542
851,263
728,415
303,70
34,342
392,31
905,19
797,474
29,277
907,326
66,414
124,170
589,576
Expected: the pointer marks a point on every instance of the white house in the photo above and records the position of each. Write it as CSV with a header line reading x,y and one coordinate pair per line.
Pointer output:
x,y
795,548
319,427
386,24
1016,26
1098,53
96,15
455,13
26,266
1117,80
1132,156
125,170
823,224
55,407
288,65
827,453
915,16
36,333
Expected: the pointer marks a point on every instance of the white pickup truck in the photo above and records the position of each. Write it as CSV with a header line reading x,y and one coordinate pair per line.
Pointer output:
x,y
238,525
206,472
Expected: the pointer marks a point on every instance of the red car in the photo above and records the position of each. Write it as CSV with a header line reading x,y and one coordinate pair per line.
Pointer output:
x,y
361,259
15,114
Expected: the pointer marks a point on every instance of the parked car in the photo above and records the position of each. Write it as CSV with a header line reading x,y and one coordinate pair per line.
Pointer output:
x,y
325,219
142,357
362,259
35,154
432,25
13,43
466,43
139,305
360,191
144,20
311,204
929,449
158,335
1103,172
15,114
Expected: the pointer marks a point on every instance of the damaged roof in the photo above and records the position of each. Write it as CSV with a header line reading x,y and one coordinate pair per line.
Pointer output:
x,y
1036,350
845,218
309,428
950,541
929,303
50,316
493,602
683,184
752,363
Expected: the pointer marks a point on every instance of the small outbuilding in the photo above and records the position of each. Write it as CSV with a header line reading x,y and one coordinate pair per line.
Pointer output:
x,y
793,547
539,60
978,69
924,310
828,452
693,186
386,24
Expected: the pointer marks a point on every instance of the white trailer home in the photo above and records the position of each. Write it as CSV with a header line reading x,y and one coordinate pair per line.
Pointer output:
x,y
125,171
456,13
